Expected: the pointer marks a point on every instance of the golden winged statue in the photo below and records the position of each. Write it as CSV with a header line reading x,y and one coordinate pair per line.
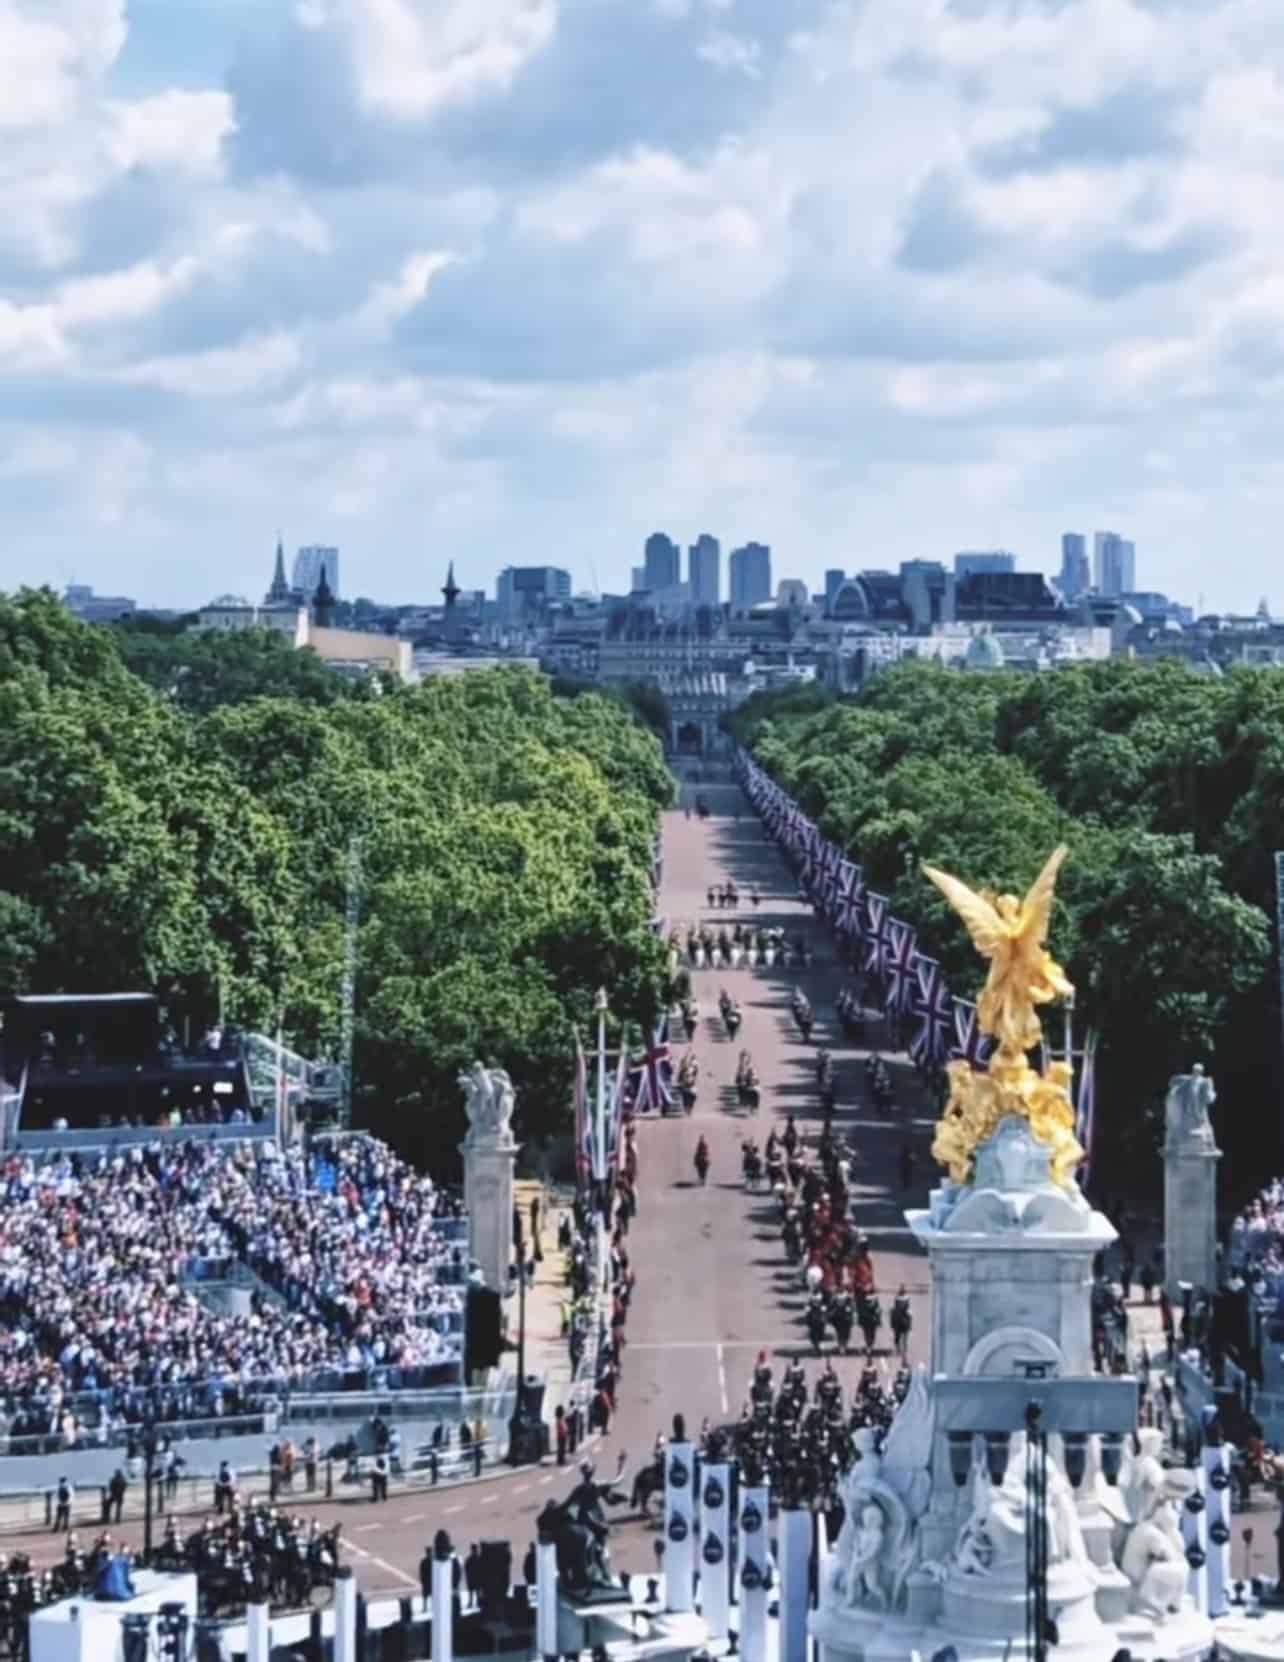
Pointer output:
x,y
1013,935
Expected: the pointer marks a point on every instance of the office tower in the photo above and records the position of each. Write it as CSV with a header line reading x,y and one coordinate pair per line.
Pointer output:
x,y
637,580
749,571
704,575
1115,562
834,580
522,593
307,570
1075,577
663,561
973,561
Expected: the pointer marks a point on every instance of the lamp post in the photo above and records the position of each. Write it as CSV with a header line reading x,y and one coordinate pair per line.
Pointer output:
x,y
521,1432
149,1469
600,1203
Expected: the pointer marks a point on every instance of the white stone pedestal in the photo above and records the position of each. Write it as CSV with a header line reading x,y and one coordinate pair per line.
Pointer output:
x,y
1190,1217
488,1195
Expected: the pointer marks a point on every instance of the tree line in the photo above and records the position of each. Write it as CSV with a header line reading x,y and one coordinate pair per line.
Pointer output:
x,y
168,826
1168,787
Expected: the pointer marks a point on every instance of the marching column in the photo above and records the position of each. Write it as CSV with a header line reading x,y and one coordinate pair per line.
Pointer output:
x,y
793,1554
1194,1534
443,1598
345,1615
679,1522
755,1566
1216,1462
546,1587
715,1541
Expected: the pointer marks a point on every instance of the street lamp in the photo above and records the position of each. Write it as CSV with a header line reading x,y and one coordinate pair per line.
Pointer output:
x,y
523,1435
149,1440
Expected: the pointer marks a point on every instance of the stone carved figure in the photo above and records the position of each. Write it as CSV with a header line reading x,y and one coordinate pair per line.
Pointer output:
x,y
1190,1096
992,1541
488,1100
1151,1552
884,1497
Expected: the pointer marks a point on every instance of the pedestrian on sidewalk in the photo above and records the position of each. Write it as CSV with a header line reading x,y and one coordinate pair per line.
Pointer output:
x,y
560,1433
425,1577
536,1241
62,1513
379,1479
310,1462
1148,1280
116,1495
472,1574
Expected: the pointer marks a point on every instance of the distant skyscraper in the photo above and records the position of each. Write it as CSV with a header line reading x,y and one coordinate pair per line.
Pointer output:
x,y
749,570
663,561
637,580
834,580
1075,577
523,592
1115,560
704,573
307,570
972,561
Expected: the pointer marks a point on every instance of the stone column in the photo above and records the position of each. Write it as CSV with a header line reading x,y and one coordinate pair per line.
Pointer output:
x,y
258,1633
546,1644
490,1154
1190,1186
345,1615
1217,1478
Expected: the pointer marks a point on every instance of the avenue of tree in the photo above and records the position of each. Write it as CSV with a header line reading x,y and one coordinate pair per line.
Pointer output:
x,y
169,826
1168,787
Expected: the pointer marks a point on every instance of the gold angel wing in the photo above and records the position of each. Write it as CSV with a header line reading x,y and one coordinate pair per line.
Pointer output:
x,y
1036,908
984,924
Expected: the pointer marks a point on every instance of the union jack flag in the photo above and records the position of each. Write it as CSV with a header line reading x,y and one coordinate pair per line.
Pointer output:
x,y
898,962
876,932
653,1068
851,889
971,1045
585,1142
934,1006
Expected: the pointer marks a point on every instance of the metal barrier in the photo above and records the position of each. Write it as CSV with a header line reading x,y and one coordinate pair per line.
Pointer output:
x,y
53,1442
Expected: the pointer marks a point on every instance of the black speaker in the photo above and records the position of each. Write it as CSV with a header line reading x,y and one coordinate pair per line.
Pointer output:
x,y
483,1338
495,1577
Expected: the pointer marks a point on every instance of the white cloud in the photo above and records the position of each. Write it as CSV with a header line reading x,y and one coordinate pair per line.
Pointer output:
x,y
389,302
414,58
727,51
252,365
175,130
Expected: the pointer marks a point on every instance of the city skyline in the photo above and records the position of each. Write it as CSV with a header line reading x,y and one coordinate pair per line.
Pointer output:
x,y
449,304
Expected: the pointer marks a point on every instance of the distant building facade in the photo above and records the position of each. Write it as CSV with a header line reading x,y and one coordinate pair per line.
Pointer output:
x,y
308,564
1075,576
1115,560
704,570
972,561
525,593
661,561
834,580
749,575
81,601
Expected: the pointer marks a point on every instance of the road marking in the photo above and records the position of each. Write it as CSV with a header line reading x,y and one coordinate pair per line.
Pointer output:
x,y
544,1480
364,1529
392,1569
413,1517
489,1500
519,1490
722,1379
451,1509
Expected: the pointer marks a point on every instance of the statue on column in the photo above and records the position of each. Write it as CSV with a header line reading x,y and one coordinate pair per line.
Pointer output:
x,y
1190,1096
488,1101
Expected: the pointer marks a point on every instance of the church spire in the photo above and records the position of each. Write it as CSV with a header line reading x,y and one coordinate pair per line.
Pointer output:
x,y
280,590
450,589
323,603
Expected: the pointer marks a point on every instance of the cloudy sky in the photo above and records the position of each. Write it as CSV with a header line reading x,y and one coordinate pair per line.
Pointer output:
x,y
522,280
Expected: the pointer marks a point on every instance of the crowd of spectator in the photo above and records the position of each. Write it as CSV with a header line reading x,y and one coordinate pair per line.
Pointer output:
x,y
102,1255
1257,1241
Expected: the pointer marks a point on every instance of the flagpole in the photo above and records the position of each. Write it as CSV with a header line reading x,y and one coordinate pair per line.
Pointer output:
x,y
599,1142
1069,1017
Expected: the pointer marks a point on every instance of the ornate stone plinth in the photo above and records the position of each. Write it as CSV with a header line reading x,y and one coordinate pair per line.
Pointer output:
x,y
1190,1185
490,1154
